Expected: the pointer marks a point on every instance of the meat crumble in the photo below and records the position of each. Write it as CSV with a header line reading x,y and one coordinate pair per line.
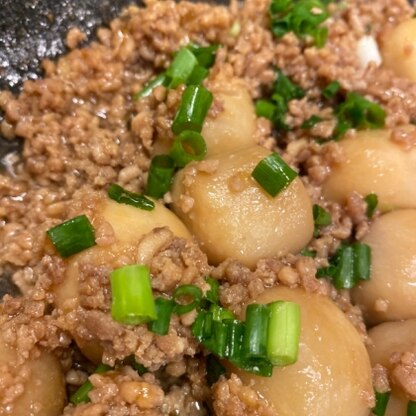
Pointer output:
x,y
82,131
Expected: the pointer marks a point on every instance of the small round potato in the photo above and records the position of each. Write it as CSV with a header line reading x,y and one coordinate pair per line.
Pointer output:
x,y
44,390
390,294
332,375
388,338
232,216
129,225
398,49
235,126
373,163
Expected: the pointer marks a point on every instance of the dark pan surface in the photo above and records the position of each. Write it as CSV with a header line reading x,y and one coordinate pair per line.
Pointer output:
x,y
31,30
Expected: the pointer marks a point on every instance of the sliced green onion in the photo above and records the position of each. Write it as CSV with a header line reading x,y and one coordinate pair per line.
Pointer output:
x,y
341,268
411,408
214,369
273,174
265,109
198,75
198,326
213,294
259,366
164,308
81,395
204,54
186,291
302,17
132,298
344,275
255,335
382,399
235,340
181,67
208,326
196,101
219,313
321,218
283,333
139,368
122,196
320,36
150,86
372,202
284,90
218,343
331,89
362,261
188,146
160,176
72,236
358,112
308,253
311,121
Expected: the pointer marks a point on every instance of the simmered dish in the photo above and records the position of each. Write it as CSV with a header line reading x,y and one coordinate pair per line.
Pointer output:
x,y
214,213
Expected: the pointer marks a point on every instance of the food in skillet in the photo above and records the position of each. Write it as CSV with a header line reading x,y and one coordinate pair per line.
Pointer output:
x,y
214,214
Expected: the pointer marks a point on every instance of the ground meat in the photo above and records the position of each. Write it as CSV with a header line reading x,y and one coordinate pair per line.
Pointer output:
x,y
233,398
83,128
403,373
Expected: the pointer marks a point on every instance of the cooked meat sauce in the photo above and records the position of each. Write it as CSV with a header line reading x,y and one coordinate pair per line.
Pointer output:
x,y
325,91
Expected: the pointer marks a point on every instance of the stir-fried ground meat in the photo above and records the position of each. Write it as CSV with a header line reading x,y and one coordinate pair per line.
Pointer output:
x,y
82,130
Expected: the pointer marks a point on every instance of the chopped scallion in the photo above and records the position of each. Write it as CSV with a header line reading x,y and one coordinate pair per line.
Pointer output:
x,y
235,341
284,90
195,103
283,333
311,121
255,335
181,67
150,86
213,294
81,395
308,253
331,89
72,236
204,54
372,202
321,218
350,264
218,343
122,196
131,361
187,146
273,174
382,400
259,366
160,176
358,112
219,313
198,75
265,109
192,295
411,408
164,308
132,297
362,261
303,17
